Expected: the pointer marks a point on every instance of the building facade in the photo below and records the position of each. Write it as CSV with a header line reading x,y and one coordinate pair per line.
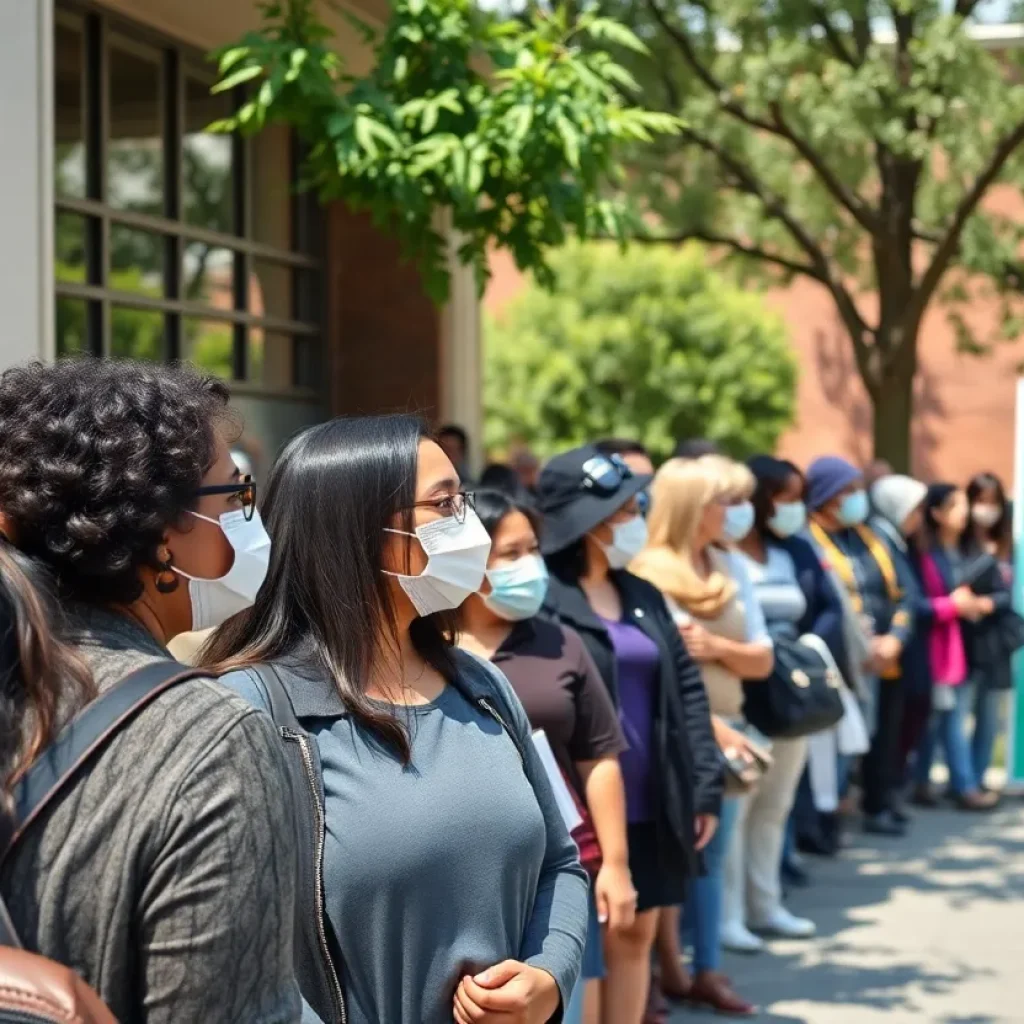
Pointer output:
x,y
133,232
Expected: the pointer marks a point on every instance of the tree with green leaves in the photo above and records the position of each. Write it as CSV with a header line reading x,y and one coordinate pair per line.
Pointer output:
x,y
851,142
508,128
651,344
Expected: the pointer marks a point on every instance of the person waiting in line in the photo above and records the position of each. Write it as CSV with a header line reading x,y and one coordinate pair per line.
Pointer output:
x,y
592,530
696,448
944,604
898,502
164,874
633,453
564,696
988,532
797,598
450,886
877,587
454,442
691,514
499,477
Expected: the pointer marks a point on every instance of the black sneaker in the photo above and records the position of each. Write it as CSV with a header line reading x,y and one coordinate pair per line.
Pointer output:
x,y
884,824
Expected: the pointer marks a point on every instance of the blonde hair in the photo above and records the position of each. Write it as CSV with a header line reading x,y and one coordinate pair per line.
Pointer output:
x,y
682,490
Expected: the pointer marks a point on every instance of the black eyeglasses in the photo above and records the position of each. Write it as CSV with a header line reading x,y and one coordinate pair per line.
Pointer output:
x,y
605,474
244,490
451,506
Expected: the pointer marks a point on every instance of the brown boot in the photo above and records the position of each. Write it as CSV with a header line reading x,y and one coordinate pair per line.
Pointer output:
x,y
977,801
712,989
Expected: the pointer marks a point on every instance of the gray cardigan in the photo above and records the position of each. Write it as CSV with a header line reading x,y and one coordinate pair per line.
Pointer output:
x,y
163,875
549,894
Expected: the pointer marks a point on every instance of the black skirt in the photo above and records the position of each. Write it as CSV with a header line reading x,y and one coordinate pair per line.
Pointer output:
x,y
656,885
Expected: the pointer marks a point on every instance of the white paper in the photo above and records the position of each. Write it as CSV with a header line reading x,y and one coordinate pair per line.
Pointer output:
x,y
563,798
822,768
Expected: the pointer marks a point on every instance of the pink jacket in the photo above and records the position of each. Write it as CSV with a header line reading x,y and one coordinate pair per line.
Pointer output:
x,y
946,655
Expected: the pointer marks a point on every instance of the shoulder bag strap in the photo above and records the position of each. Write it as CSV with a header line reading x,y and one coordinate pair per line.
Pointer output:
x,y
281,710
86,734
78,741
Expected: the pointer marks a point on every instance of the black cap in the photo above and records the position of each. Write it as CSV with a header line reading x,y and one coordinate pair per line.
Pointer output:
x,y
570,502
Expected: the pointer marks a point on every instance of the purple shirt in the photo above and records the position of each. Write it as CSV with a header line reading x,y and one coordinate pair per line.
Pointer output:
x,y
637,660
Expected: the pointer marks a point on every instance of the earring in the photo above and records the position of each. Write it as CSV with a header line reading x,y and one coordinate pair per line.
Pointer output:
x,y
167,578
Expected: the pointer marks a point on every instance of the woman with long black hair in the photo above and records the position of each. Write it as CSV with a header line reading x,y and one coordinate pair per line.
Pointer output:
x,y
989,532
592,530
164,874
564,697
440,879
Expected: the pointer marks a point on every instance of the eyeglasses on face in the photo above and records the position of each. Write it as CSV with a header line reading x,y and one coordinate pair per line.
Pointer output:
x,y
242,491
450,506
603,475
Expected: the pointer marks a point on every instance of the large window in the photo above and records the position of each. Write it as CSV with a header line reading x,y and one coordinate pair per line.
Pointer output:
x,y
172,243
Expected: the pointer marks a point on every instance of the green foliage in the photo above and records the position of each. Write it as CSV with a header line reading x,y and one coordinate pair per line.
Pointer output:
x,y
651,344
852,141
510,127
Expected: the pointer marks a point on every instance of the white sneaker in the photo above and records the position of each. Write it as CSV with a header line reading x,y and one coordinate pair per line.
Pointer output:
x,y
786,925
737,938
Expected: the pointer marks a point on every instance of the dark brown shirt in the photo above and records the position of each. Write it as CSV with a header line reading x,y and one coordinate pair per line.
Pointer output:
x,y
563,693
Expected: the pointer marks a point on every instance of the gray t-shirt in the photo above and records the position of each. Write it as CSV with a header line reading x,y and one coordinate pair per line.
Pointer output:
x,y
432,871
777,589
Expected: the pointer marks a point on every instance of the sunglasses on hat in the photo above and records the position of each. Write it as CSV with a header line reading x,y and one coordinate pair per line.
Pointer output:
x,y
603,475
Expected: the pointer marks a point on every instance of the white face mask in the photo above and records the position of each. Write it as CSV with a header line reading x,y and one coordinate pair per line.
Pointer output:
x,y
986,515
215,601
457,556
628,540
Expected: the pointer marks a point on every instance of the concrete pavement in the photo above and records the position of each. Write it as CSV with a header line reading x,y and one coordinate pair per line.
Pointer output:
x,y
924,930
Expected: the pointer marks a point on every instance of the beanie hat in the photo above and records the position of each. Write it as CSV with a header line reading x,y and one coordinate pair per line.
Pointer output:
x,y
895,497
827,477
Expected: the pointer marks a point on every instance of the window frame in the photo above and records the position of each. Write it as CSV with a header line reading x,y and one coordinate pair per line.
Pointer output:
x,y
177,63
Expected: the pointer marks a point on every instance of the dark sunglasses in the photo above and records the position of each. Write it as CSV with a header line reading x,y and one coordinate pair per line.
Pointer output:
x,y
605,474
244,489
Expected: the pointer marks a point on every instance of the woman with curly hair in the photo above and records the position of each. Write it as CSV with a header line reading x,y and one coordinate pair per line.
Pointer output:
x,y
165,873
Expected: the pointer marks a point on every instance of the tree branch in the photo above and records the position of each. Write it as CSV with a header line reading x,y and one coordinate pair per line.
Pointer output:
x,y
742,248
835,40
965,8
950,241
777,126
776,208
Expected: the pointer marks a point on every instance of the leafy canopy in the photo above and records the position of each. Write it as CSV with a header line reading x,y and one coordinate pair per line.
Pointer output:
x,y
651,345
856,142
508,127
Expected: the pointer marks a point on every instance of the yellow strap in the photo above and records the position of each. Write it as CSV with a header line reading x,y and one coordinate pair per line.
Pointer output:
x,y
844,565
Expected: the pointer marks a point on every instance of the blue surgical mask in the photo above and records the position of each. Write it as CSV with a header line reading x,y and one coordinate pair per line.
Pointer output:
x,y
789,519
739,521
518,590
853,509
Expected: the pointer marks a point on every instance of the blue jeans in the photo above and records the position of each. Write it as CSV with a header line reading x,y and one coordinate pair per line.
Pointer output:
x,y
987,726
702,916
949,729
593,964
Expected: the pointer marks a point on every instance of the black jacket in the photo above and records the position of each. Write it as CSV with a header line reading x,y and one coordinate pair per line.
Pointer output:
x,y
688,767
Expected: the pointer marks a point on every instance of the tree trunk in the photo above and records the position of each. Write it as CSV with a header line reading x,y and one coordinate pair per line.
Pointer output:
x,y
893,402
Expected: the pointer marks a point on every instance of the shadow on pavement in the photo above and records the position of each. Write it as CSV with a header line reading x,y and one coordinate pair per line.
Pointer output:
x,y
966,861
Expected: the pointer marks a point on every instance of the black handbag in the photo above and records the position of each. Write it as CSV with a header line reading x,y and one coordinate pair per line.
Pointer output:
x,y
801,696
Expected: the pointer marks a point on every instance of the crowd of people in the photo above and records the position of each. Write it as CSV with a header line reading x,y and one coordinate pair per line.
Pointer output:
x,y
533,749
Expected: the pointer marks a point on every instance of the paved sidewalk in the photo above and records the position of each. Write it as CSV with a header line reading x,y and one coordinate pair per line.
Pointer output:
x,y
924,930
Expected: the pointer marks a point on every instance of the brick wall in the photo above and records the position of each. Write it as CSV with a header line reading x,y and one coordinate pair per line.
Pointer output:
x,y
964,418
383,333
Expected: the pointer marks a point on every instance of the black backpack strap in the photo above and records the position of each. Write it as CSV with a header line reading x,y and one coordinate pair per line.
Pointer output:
x,y
86,734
